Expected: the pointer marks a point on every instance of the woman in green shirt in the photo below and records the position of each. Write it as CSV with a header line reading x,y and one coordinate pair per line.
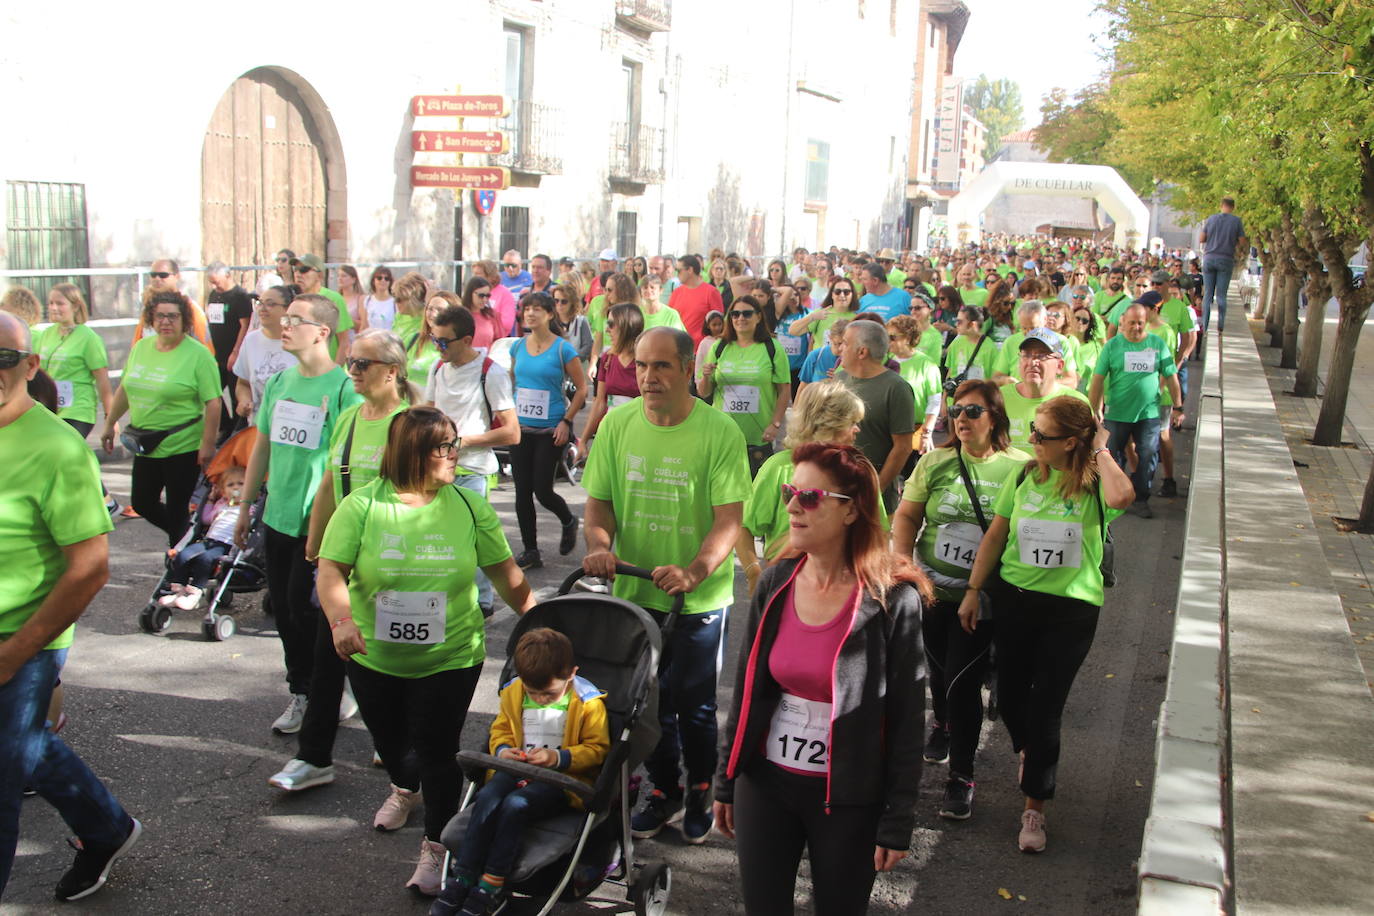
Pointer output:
x,y
396,584
409,293
74,356
755,388
1087,328
1046,540
939,503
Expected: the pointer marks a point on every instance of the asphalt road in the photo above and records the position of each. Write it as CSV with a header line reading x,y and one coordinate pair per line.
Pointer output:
x,y
179,728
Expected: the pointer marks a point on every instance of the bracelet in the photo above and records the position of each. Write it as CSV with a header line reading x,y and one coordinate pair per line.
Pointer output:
x,y
1098,451
567,421
751,566
335,625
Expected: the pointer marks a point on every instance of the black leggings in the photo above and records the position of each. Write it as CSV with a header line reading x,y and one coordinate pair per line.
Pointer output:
x,y
1041,642
533,466
957,661
176,474
315,743
290,579
778,816
426,714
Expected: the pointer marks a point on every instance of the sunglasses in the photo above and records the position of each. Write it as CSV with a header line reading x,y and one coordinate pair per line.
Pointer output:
x,y
283,260
481,295
303,269
1082,320
974,411
295,321
160,274
808,499
359,365
842,292
743,313
9,358
445,449
1036,436
442,342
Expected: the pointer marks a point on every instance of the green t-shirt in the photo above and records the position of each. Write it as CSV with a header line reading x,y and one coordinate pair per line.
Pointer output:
x,y
923,375
596,315
345,320
1021,411
421,357
50,498
70,359
1089,351
950,533
1133,373
960,357
406,327
932,344
896,277
1008,360
1054,545
298,416
414,567
1178,316
365,454
1170,337
663,318
1105,301
166,389
976,296
820,328
745,385
663,483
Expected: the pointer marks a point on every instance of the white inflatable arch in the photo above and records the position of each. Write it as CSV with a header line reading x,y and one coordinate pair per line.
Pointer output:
x,y
1050,179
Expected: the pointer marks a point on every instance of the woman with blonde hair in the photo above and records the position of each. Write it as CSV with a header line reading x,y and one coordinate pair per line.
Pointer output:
x,y
410,293
20,302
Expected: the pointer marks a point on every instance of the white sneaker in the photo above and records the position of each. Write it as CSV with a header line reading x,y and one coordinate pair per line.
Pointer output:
x,y
289,722
394,812
189,599
348,706
1032,835
429,871
298,775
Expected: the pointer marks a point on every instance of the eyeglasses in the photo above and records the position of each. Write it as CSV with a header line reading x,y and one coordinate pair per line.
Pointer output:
x,y
295,321
842,292
558,301
1083,320
1037,357
808,499
481,295
974,411
9,358
160,274
743,313
442,342
166,316
283,260
1036,436
359,365
445,449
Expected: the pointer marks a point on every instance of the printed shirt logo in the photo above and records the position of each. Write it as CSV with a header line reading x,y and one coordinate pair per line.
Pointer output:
x,y
393,547
634,467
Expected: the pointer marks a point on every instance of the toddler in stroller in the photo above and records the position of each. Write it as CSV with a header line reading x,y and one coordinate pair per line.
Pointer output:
x,y
195,560
549,717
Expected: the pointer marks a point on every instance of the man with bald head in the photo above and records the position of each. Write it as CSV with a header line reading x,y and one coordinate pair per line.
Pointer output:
x,y
54,557
666,482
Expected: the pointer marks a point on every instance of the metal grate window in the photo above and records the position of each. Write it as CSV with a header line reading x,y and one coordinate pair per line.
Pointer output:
x,y
626,233
515,230
45,229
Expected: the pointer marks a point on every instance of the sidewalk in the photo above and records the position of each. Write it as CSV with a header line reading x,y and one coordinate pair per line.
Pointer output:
x,y
1334,477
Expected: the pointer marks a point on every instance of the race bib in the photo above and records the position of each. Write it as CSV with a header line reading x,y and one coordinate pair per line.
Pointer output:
x,y
414,618
799,734
297,424
617,400
1051,545
741,399
792,346
215,312
65,395
1140,360
532,403
543,727
957,543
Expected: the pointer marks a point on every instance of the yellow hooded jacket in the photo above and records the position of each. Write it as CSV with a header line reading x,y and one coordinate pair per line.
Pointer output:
x,y
586,733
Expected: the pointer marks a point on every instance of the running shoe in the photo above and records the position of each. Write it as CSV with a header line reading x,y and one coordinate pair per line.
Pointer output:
x,y
1169,489
937,747
92,866
481,903
429,870
697,815
395,811
189,599
289,722
659,810
298,775
958,803
530,559
113,506
1032,836
451,899
1142,508
568,540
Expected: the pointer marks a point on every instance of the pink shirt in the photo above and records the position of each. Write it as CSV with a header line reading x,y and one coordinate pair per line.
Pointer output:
x,y
803,656
503,303
485,330
619,379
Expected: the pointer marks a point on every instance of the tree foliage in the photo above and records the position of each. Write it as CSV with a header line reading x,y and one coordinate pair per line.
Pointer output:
x,y
997,104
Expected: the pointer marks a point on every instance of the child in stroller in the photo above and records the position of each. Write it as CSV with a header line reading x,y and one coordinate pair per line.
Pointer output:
x,y
548,717
195,560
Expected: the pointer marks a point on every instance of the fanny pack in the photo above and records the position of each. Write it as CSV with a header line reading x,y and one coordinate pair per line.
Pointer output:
x,y
141,441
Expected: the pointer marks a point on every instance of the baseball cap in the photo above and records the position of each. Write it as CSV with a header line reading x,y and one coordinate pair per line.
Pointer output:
x,y
1044,336
1160,276
608,254
1149,297
312,261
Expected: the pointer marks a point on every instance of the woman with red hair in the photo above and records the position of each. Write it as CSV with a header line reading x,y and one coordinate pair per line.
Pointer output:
x,y
825,727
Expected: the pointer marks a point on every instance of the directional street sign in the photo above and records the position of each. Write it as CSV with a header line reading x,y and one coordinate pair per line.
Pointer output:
x,y
461,106
482,177
458,141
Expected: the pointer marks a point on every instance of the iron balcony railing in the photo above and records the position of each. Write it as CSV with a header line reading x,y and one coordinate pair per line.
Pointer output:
x,y
637,156
536,135
646,15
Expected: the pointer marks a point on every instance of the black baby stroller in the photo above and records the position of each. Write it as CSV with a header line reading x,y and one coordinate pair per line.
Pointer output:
x,y
237,572
617,646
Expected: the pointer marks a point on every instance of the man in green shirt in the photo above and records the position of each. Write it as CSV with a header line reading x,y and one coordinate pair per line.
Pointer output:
x,y
295,421
54,558
1113,293
666,483
1128,373
1040,360
309,270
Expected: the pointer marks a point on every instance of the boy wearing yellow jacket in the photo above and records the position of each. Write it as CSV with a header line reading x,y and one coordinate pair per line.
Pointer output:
x,y
549,717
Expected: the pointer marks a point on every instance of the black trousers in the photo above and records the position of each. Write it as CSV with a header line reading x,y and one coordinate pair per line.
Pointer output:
x,y
957,662
534,466
1041,642
426,714
778,816
174,475
290,579
315,742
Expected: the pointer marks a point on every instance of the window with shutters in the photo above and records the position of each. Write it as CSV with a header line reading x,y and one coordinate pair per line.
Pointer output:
x,y
45,229
515,229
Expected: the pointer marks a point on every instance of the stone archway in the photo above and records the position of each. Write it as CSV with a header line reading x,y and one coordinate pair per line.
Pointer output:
x,y
1098,182
272,172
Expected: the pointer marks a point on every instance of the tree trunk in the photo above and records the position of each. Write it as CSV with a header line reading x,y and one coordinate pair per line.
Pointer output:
x,y
1331,420
1310,351
1262,307
1273,316
1289,359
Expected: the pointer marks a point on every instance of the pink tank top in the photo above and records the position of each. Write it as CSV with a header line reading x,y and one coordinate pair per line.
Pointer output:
x,y
803,656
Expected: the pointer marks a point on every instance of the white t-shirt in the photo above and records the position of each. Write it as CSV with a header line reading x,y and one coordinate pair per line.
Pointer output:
x,y
381,313
260,358
457,392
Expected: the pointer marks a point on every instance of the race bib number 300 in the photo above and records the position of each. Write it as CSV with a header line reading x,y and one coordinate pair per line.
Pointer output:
x,y
414,618
1050,545
297,424
532,403
799,734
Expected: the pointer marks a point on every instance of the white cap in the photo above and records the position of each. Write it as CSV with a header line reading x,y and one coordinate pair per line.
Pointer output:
x,y
608,254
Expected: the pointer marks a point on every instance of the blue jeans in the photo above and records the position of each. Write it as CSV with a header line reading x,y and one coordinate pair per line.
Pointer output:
x,y
1146,435
30,755
477,483
500,813
195,564
687,675
1216,279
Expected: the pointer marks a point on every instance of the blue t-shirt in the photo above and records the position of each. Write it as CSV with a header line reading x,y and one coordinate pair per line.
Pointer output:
x,y
1223,231
818,363
890,304
795,346
517,284
539,397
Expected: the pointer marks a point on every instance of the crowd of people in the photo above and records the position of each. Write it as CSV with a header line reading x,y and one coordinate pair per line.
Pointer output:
x,y
912,459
